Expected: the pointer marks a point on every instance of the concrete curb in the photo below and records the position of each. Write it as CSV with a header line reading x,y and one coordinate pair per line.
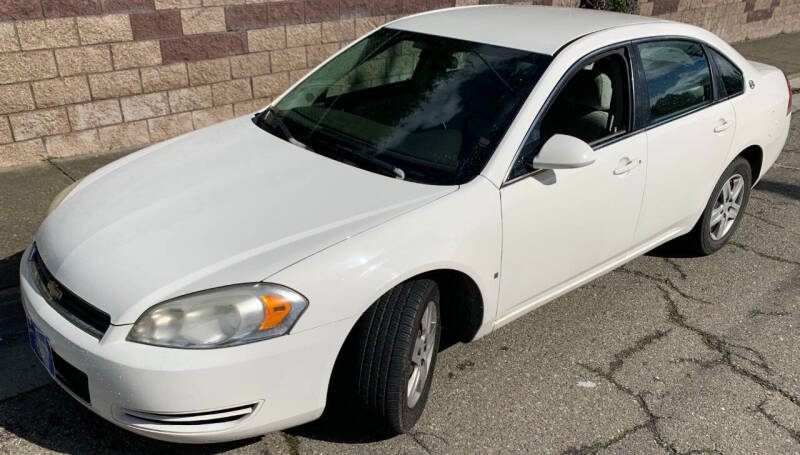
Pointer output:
x,y
794,83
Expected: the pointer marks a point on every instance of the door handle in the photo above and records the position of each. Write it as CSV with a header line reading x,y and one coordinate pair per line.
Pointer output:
x,y
627,167
724,125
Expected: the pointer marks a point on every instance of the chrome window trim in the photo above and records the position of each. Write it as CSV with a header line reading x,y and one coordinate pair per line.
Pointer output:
x,y
714,76
634,130
711,76
557,89
714,79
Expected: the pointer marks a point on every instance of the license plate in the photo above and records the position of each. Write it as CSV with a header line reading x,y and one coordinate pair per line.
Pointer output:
x,y
41,347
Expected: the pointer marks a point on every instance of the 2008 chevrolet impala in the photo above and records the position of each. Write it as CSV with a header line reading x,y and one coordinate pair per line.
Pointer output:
x,y
444,175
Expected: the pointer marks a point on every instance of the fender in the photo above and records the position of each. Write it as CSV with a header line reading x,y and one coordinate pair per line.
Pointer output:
x,y
460,231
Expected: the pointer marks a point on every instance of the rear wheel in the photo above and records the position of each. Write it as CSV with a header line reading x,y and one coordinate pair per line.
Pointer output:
x,y
724,210
396,347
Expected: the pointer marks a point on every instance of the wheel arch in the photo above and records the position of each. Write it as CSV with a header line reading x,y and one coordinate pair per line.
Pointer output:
x,y
754,155
457,326
461,301
461,304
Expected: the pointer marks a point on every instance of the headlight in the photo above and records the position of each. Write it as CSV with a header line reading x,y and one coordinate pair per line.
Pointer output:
x,y
220,317
61,196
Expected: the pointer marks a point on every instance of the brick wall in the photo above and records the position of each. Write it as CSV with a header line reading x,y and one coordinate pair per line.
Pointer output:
x,y
86,76
733,20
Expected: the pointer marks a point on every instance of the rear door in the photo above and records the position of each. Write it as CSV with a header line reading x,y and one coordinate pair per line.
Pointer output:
x,y
688,133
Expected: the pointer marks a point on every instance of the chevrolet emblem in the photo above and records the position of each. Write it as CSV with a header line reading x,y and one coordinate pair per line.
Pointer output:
x,y
54,290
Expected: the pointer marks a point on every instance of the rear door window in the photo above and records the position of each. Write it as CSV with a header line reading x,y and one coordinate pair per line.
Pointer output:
x,y
732,78
677,75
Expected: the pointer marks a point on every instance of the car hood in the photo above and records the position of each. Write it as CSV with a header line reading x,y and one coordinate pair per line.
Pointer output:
x,y
223,205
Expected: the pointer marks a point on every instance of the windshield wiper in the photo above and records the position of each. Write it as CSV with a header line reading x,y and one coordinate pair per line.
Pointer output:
x,y
385,167
262,117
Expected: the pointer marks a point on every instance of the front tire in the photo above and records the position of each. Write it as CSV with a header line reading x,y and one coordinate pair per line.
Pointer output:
x,y
724,210
395,353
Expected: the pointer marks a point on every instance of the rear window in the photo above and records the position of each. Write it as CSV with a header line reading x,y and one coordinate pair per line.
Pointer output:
x,y
678,77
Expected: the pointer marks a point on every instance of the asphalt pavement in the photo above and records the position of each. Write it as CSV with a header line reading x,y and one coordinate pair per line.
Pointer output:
x,y
666,354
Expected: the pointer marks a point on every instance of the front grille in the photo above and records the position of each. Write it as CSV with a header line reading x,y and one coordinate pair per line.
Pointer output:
x,y
189,422
73,308
72,378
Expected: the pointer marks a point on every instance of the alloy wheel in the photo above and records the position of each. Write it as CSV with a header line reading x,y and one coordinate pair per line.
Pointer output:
x,y
422,355
726,207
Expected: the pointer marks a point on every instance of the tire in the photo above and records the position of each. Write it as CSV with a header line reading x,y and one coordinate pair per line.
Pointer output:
x,y
384,346
706,238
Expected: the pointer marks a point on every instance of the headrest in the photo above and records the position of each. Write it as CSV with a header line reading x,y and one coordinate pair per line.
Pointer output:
x,y
591,89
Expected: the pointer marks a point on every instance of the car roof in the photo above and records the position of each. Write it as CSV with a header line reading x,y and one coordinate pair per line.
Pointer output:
x,y
533,28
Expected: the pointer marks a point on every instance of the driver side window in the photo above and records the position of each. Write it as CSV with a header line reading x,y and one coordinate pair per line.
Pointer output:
x,y
593,105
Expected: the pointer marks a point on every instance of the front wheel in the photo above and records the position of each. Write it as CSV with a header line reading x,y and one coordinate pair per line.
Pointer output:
x,y
724,210
396,347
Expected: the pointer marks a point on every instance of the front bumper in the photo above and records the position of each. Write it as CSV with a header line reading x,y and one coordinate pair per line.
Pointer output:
x,y
195,396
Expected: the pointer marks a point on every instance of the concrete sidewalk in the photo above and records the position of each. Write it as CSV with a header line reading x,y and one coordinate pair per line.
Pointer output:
x,y
782,51
25,194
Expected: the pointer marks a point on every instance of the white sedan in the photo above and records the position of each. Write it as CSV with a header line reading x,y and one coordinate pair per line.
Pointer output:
x,y
440,177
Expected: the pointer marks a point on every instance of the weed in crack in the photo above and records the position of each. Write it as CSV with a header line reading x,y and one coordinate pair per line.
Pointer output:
x,y
609,375
762,254
417,437
726,349
641,343
667,282
465,364
777,314
772,201
650,424
703,364
677,268
596,447
716,343
771,418
765,221
293,443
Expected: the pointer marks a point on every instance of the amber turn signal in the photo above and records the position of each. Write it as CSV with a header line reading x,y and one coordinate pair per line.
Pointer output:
x,y
275,311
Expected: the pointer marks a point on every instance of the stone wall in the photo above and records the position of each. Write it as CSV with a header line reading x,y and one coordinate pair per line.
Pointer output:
x,y
732,20
86,76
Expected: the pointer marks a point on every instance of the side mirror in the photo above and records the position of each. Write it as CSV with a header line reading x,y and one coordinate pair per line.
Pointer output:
x,y
563,152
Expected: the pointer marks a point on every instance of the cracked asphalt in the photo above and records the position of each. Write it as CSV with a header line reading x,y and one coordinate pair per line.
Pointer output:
x,y
666,354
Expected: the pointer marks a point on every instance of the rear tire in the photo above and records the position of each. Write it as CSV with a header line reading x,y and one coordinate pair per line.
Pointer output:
x,y
396,344
724,210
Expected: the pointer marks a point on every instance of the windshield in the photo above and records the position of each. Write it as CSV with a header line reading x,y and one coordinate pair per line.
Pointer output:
x,y
409,105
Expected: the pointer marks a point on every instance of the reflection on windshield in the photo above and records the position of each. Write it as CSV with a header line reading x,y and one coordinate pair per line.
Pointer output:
x,y
433,108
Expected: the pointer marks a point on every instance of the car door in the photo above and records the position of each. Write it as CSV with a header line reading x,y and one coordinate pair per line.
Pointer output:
x,y
558,224
688,134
